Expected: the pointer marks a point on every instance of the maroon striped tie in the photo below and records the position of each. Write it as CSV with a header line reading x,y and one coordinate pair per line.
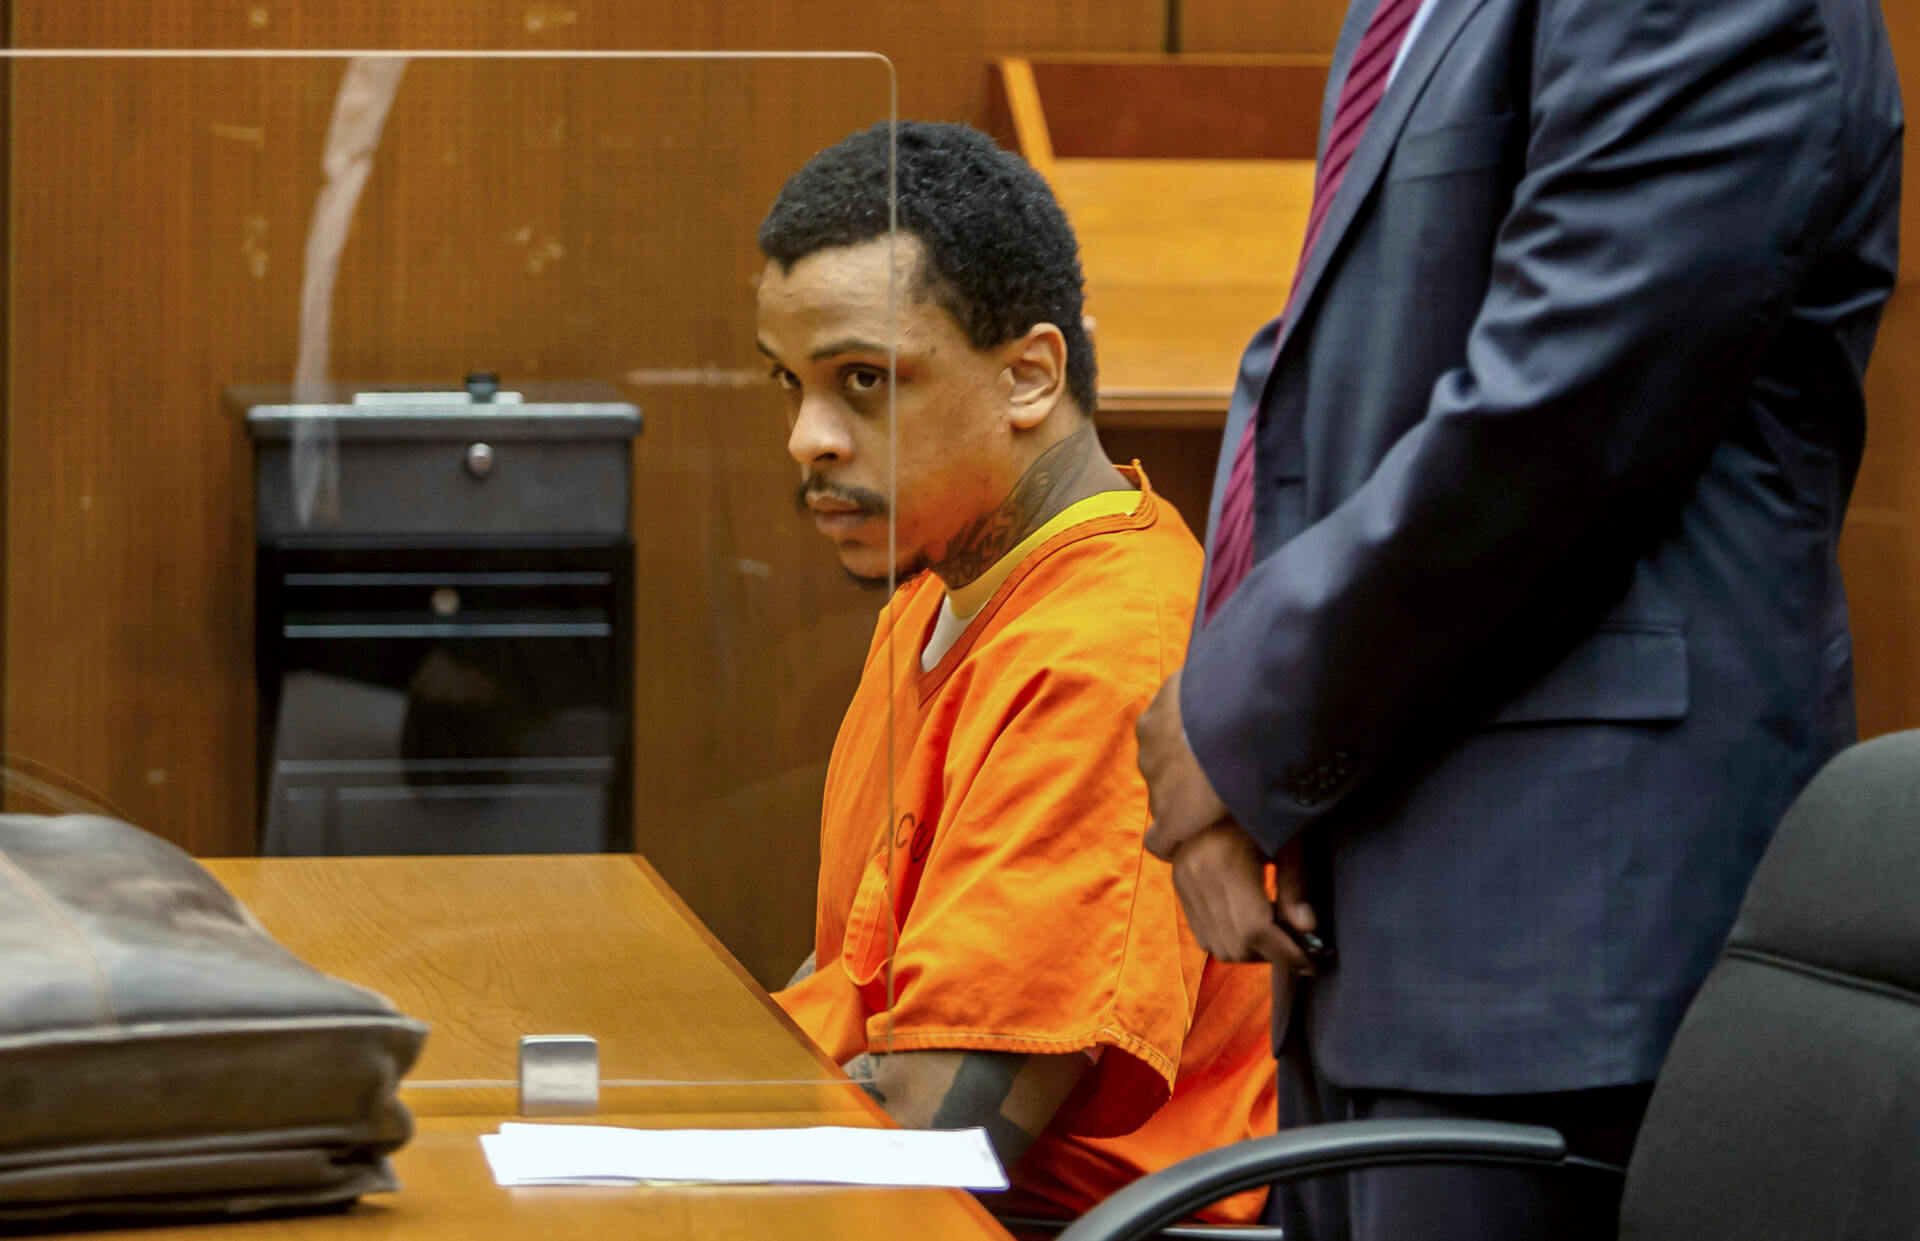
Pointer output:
x,y
1366,83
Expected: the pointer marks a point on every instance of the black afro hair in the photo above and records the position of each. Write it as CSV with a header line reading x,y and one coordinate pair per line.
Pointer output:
x,y
999,253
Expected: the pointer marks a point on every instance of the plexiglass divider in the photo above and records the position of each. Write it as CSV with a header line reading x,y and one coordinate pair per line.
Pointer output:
x,y
392,470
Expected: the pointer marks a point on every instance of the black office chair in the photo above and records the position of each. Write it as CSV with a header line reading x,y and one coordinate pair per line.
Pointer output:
x,y
1789,1106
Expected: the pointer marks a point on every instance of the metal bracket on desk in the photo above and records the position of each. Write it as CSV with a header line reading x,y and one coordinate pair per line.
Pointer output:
x,y
559,1075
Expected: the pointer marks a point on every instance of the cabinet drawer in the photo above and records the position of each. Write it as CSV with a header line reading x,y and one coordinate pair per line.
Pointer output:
x,y
451,487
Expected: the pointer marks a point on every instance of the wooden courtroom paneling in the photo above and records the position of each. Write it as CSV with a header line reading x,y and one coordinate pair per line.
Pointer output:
x,y
541,221
1260,25
940,47
1159,107
1185,260
1880,551
1188,180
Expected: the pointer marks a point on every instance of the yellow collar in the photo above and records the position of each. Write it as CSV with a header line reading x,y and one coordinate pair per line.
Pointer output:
x,y
969,599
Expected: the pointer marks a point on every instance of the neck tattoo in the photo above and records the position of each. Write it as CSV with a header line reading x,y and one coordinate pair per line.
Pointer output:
x,y
1034,500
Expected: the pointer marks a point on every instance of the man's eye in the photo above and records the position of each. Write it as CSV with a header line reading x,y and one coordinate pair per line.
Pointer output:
x,y
866,379
785,378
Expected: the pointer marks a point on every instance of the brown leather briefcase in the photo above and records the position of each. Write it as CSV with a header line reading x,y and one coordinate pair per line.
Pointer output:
x,y
160,1055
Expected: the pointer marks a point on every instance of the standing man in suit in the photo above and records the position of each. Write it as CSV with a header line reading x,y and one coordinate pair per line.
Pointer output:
x,y
1522,622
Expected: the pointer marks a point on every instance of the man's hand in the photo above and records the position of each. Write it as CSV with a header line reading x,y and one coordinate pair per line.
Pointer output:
x,y
1180,799
1220,876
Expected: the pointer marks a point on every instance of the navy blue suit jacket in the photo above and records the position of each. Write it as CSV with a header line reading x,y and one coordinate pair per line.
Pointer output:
x,y
1546,628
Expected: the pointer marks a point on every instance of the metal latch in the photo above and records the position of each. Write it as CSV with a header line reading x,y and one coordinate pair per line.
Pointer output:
x,y
559,1075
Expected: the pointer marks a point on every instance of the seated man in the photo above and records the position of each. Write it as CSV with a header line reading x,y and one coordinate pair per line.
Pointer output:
x,y
995,950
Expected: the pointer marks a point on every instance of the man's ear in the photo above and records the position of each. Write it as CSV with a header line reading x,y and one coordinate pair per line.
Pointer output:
x,y
1037,371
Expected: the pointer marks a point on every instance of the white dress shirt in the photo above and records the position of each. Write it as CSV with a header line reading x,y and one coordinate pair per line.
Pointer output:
x,y
1413,33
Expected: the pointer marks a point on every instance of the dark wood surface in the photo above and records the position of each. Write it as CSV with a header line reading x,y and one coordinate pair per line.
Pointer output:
x,y
1175,107
1880,549
1284,26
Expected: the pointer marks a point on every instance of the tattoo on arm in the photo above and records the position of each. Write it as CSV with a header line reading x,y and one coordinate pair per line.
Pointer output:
x,y
1012,1096
979,1092
861,1070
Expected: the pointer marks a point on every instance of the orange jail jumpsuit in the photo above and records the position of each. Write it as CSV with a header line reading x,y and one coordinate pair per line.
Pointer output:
x,y
1010,885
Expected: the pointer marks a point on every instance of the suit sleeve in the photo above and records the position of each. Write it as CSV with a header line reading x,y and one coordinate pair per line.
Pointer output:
x,y
1679,162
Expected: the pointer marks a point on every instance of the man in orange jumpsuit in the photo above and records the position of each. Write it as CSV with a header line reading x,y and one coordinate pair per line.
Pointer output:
x,y
993,946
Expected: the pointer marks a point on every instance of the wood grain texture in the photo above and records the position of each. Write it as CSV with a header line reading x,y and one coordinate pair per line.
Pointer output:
x,y
1168,107
1285,26
1903,29
1189,224
485,949
1185,259
941,47
1019,121
1880,549
1880,546
536,220
488,949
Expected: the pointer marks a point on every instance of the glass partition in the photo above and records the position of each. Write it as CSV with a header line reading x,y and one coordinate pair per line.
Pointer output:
x,y
392,470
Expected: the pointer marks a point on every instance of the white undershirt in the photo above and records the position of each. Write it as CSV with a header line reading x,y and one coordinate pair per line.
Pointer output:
x,y
946,631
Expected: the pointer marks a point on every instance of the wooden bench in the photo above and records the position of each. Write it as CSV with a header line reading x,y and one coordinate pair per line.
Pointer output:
x,y
1188,180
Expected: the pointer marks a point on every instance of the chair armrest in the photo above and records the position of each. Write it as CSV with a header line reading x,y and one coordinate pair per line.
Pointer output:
x,y
1051,1226
1151,1203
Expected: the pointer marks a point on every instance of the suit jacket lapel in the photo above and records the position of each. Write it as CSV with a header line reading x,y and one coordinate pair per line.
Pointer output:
x,y
1250,394
1383,132
1249,391
1352,30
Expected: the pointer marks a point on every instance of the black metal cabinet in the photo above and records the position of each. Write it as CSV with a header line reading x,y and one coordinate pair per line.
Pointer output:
x,y
444,649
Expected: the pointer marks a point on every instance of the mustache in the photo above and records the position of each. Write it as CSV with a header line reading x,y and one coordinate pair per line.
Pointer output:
x,y
815,487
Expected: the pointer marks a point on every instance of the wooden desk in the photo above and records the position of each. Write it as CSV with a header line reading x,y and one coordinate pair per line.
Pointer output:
x,y
1184,260
1189,180
488,949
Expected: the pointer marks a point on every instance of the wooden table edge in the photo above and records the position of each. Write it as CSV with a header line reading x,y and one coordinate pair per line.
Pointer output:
x,y
752,984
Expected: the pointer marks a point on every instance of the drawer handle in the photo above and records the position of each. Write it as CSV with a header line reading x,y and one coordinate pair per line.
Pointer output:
x,y
479,460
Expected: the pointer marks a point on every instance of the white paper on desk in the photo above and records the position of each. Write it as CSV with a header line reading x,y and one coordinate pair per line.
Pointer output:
x,y
561,1154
